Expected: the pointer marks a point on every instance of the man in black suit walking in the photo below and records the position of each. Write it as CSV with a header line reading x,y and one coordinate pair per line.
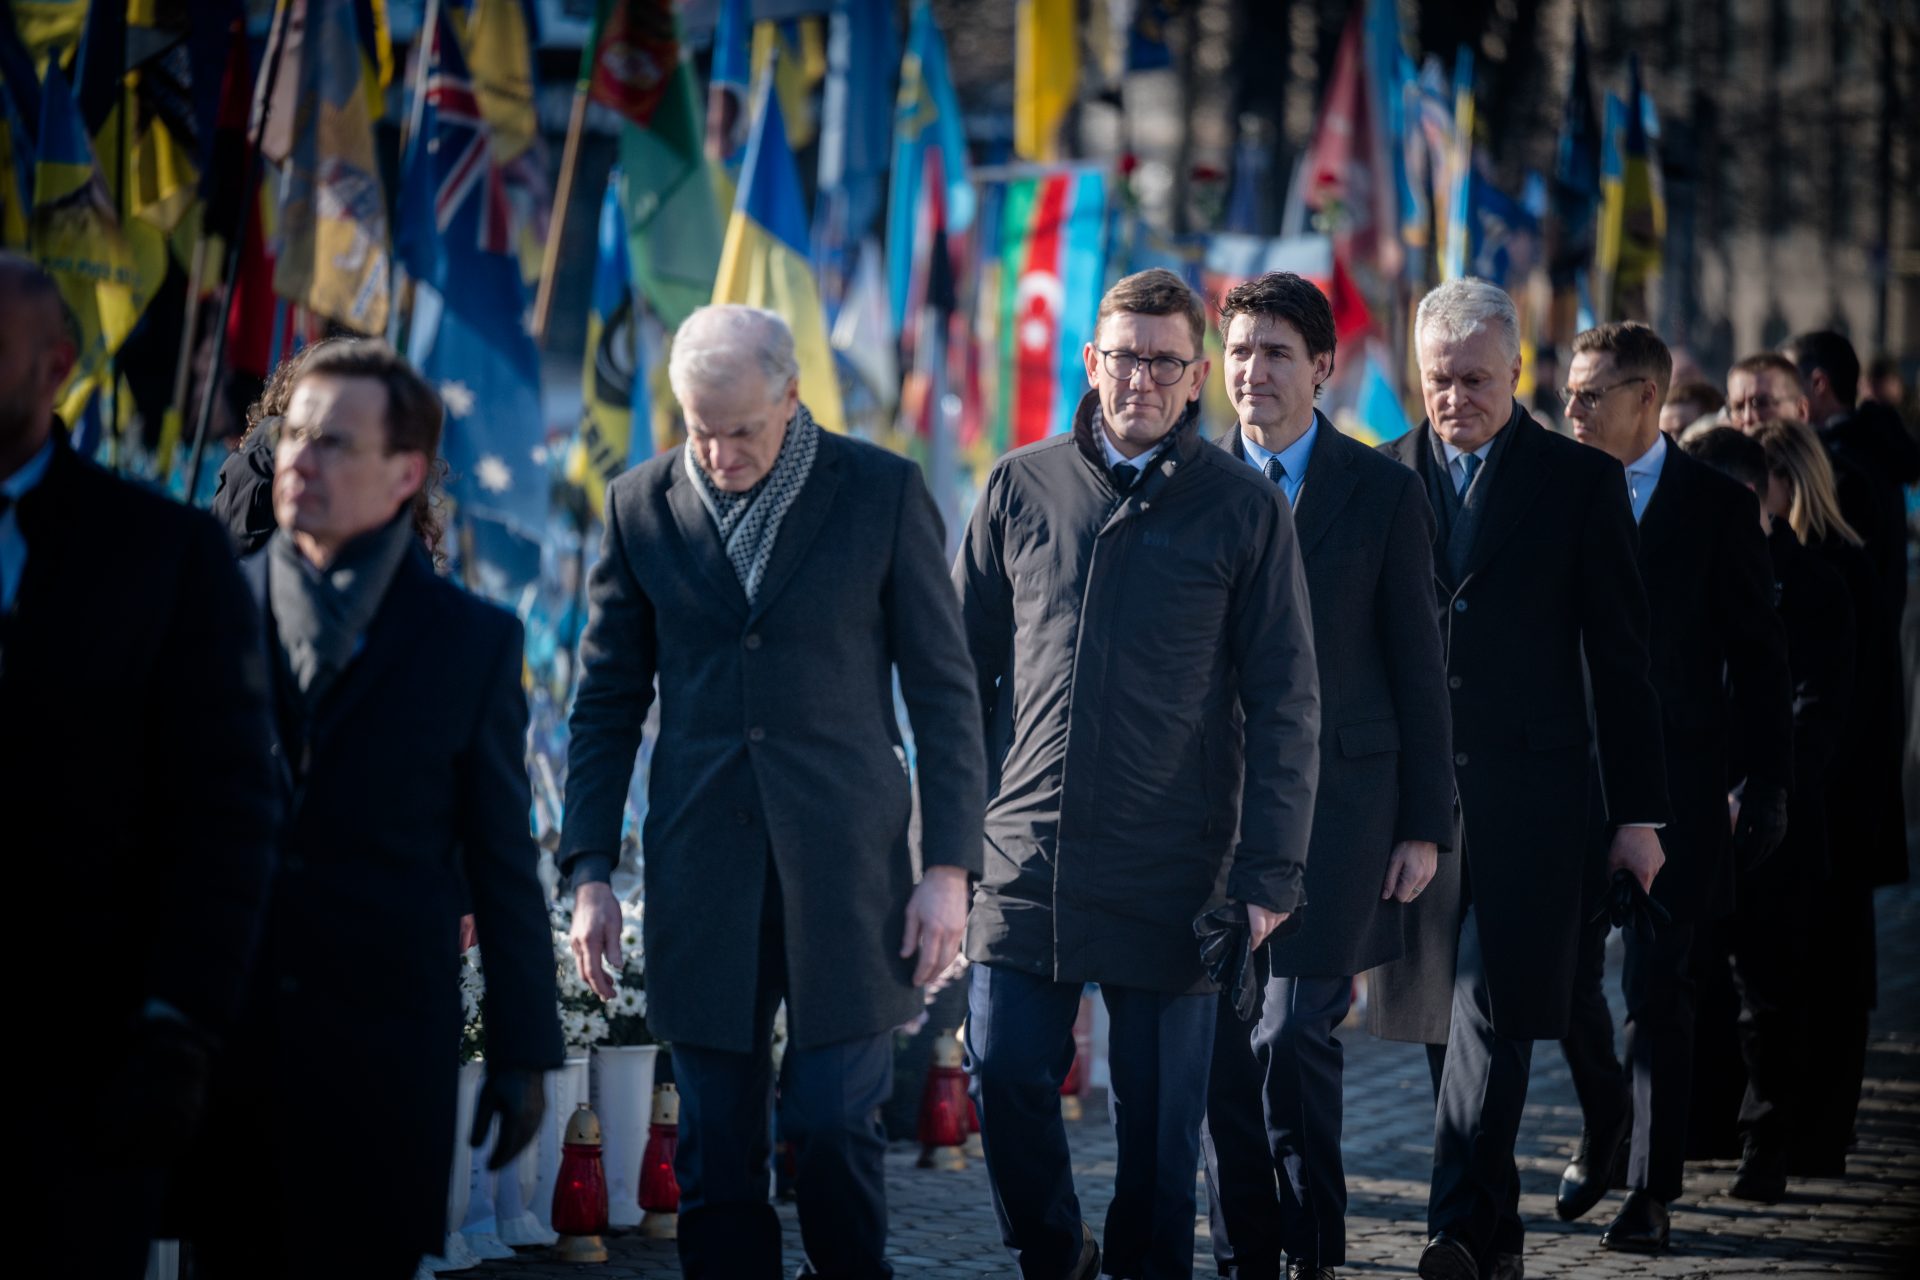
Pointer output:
x,y
1383,813
1719,664
399,748
133,716
774,578
1540,601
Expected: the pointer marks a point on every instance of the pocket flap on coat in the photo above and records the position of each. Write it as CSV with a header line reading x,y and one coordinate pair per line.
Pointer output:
x,y
1561,731
1369,737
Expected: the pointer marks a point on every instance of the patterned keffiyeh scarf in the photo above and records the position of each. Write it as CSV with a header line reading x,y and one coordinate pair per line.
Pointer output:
x,y
749,522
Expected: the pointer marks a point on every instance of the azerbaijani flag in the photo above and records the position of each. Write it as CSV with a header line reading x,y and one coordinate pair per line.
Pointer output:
x,y
1052,237
765,263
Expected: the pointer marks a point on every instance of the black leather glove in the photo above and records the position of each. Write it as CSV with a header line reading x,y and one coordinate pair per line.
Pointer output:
x,y
1762,825
1627,906
154,1104
515,1095
1229,959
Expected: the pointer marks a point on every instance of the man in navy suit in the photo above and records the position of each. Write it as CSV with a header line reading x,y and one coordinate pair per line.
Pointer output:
x,y
1384,809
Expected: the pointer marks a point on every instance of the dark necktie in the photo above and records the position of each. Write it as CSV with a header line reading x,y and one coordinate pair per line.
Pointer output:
x,y
1276,470
1469,463
1124,474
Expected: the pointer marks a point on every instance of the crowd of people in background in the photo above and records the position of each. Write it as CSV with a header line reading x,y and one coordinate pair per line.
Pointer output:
x,y
1218,717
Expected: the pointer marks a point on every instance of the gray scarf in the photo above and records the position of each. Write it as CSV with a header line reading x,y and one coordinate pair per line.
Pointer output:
x,y
749,523
321,614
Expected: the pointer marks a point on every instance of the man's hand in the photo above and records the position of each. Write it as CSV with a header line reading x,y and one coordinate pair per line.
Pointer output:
x,y
595,936
936,921
1637,849
518,1099
1410,869
469,933
1261,923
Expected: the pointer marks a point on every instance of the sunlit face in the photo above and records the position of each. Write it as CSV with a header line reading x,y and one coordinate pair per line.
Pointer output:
x,y
735,429
1467,385
1139,411
334,477
1757,397
1620,419
1270,377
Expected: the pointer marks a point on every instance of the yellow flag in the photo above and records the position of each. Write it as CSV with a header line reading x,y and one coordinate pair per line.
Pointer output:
x,y
1046,71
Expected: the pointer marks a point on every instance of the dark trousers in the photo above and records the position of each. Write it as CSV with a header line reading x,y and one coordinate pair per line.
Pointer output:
x,y
1658,1077
1019,1049
1480,1079
1841,980
830,1099
1272,1139
1769,941
1719,1075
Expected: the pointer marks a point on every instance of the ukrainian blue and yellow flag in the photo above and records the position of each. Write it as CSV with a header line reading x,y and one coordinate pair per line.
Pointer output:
x,y
613,381
926,114
78,239
764,262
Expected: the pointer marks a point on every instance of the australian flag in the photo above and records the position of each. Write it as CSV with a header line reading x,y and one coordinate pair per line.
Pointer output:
x,y
469,336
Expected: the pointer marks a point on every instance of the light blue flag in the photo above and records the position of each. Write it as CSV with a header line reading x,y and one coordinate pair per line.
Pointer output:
x,y
926,114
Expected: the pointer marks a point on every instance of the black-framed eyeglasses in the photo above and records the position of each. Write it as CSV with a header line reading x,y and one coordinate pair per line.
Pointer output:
x,y
1164,370
1590,397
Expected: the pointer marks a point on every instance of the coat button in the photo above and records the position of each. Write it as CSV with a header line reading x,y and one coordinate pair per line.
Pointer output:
x,y
1461,759
1453,682
752,641
756,734
743,817
274,750
1459,606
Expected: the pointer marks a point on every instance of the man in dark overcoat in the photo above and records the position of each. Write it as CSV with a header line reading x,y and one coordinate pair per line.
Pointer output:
x,y
1540,601
1383,812
773,579
1719,664
399,750
133,716
1140,632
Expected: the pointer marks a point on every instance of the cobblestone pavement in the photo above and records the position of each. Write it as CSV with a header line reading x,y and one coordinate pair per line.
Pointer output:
x,y
1867,1224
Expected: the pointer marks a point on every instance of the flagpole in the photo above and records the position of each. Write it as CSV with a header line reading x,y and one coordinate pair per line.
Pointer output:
x,y
550,259
183,362
256,129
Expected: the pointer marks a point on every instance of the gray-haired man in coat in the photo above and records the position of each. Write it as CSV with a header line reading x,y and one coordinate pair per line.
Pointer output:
x,y
773,579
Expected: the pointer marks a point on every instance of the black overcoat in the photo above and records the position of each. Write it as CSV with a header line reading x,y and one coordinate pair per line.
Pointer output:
x,y
1718,660
1132,649
778,739
407,800
1386,755
133,714
1549,596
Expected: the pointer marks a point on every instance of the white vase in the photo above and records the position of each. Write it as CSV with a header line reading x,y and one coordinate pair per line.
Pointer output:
x,y
623,1099
456,1254
566,1090
481,1228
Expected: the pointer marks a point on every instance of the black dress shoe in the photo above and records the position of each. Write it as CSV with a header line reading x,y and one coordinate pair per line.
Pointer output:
x,y
1593,1168
1445,1258
1640,1227
1088,1267
1507,1266
1303,1271
1762,1175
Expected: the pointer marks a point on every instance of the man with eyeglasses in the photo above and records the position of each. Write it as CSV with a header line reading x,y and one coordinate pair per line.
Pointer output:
x,y
1545,629
1138,619
399,735
1719,664
1764,387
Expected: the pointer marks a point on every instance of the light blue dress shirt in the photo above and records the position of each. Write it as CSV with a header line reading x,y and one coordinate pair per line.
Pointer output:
x,y
1293,458
13,545
1643,475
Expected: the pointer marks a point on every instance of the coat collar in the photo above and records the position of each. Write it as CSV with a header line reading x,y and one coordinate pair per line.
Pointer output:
x,y
1329,484
1666,509
1515,483
1185,447
798,530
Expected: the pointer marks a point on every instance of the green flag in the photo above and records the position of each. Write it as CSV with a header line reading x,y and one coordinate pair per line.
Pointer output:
x,y
673,230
